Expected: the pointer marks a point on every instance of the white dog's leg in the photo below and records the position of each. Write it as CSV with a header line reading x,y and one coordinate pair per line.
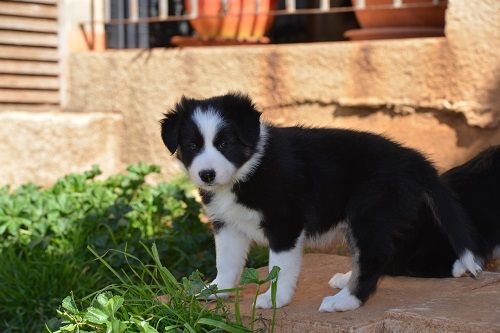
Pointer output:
x,y
231,249
340,280
289,263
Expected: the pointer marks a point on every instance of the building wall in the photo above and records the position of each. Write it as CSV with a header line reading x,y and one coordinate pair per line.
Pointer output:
x,y
440,95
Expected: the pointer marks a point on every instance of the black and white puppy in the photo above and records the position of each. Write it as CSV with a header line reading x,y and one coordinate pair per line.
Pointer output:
x,y
476,184
293,186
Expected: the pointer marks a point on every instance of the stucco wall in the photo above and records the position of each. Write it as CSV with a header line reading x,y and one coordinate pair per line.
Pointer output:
x,y
441,95
39,147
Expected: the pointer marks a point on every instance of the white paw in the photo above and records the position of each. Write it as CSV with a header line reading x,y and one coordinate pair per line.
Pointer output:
x,y
458,269
342,301
469,263
264,300
340,280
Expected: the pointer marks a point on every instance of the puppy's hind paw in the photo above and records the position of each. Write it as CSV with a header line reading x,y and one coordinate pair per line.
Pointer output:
x,y
467,262
340,280
342,301
458,269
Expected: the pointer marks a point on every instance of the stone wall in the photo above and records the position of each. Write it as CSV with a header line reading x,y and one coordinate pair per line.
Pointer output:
x,y
440,95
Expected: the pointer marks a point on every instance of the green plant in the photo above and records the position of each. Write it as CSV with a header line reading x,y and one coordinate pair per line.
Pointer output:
x,y
163,304
44,234
251,276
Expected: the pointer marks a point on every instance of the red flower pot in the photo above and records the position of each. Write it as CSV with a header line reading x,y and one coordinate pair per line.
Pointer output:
x,y
239,22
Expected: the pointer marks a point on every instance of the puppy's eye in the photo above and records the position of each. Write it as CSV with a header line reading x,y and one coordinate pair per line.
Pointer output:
x,y
221,144
192,146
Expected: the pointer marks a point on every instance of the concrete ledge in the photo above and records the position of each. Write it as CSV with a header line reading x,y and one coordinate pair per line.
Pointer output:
x,y
41,146
401,304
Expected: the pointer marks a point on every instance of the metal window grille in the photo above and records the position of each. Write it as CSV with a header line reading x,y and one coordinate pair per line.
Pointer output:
x,y
129,22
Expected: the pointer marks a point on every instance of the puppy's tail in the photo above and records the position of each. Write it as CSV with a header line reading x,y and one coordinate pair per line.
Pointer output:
x,y
455,224
477,186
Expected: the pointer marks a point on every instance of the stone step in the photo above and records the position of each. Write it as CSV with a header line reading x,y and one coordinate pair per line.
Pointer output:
x,y
401,304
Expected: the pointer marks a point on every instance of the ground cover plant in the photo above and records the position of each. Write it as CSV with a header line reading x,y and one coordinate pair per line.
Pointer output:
x,y
51,239
164,304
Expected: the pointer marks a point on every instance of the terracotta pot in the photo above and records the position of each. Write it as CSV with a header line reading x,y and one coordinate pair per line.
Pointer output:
x,y
399,22
240,22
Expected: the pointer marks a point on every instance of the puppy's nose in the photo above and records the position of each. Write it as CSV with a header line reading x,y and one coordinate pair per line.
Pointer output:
x,y
208,175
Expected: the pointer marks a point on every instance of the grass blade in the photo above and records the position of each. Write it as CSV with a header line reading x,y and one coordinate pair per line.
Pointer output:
x,y
221,325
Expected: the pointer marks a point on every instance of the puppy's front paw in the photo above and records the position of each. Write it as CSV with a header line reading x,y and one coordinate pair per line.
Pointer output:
x,y
340,280
342,301
264,300
222,295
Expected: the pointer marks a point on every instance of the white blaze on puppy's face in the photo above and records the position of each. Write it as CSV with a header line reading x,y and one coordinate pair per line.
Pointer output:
x,y
209,123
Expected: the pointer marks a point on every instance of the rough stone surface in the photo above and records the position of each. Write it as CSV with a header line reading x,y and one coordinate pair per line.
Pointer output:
x,y
431,93
40,147
401,304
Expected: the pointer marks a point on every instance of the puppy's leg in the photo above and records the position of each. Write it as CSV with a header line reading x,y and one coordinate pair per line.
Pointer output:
x,y
231,249
371,251
289,262
362,283
345,299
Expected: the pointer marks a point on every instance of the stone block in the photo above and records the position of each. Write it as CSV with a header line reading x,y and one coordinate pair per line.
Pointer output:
x,y
40,147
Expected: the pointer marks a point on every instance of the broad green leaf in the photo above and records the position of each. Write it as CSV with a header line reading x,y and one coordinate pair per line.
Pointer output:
x,y
69,304
114,304
250,275
102,299
96,316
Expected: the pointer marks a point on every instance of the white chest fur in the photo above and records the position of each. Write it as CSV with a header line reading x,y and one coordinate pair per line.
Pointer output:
x,y
225,208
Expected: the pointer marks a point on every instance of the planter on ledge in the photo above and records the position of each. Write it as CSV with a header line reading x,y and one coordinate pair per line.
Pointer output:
x,y
425,21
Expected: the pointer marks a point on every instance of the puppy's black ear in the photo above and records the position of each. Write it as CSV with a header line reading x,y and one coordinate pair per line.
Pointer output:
x,y
171,124
170,130
245,117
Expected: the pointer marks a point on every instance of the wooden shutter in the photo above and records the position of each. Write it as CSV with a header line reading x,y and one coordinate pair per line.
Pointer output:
x,y
29,59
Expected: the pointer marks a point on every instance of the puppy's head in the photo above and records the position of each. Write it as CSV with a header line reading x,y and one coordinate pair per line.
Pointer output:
x,y
217,139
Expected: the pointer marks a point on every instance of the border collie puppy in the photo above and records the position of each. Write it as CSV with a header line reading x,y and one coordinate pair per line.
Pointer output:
x,y
477,186
287,187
